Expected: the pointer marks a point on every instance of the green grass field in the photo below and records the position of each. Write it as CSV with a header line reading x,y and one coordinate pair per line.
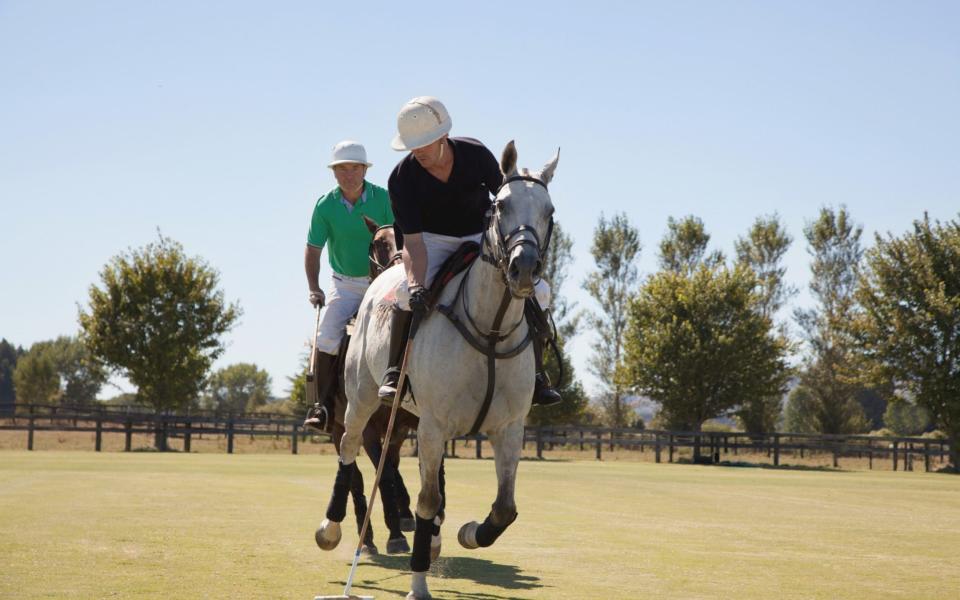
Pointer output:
x,y
147,525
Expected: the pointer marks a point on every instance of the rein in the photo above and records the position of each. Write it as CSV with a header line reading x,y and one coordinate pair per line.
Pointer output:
x,y
486,343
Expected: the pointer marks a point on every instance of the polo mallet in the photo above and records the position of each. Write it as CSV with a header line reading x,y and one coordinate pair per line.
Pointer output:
x,y
401,382
311,372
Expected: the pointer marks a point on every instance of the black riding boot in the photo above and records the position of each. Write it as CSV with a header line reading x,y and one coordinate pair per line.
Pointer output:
x,y
320,415
543,392
399,330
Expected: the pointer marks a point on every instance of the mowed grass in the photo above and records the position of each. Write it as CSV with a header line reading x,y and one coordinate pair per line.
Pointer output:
x,y
148,525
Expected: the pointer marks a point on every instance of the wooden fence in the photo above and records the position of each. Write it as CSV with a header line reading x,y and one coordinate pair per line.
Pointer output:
x,y
714,447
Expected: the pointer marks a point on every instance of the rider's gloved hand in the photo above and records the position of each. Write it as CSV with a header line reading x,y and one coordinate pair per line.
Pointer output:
x,y
317,298
418,300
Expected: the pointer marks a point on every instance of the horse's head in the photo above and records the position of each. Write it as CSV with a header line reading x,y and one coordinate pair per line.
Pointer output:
x,y
383,252
521,221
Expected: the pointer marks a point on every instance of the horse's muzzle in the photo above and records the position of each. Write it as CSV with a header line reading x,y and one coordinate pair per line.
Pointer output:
x,y
523,269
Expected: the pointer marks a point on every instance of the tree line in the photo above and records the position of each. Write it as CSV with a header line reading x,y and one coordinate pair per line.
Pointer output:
x,y
702,337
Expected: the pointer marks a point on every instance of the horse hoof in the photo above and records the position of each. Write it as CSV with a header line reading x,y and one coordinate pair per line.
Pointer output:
x,y
328,536
398,546
408,524
369,550
467,536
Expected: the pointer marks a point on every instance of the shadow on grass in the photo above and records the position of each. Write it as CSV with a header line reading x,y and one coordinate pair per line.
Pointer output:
x,y
477,570
750,465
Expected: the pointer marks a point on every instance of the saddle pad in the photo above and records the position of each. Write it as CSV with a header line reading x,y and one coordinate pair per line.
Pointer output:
x,y
455,264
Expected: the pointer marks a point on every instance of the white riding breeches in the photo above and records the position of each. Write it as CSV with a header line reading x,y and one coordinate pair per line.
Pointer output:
x,y
342,303
439,248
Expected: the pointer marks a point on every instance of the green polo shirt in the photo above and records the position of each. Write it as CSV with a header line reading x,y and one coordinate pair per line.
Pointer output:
x,y
344,231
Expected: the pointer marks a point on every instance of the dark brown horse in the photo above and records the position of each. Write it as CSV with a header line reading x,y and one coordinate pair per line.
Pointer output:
x,y
383,254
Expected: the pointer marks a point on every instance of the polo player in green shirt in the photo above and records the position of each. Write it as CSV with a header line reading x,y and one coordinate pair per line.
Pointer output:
x,y
337,223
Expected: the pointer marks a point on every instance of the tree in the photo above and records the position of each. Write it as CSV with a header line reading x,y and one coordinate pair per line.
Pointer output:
x,y
697,344
905,418
684,247
35,378
8,363
762,251
575,400
616,247
237,388
59,371
157,319
81,377
830,369
297,394
798,414
909,325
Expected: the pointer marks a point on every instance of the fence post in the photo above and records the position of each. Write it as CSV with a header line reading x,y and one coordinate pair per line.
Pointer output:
x,y
99,438
836,458
187,434
127,434
540,443
776,449
30,430
671,448
612,433
656,446
230,435
895,455
599,446
293,439
581,440
926,456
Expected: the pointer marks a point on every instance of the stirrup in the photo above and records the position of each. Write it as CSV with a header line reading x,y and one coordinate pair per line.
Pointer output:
x,y
543,393
317,418
388,389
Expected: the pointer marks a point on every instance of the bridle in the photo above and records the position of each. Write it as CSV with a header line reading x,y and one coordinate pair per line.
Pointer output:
x,y
501,246
376,267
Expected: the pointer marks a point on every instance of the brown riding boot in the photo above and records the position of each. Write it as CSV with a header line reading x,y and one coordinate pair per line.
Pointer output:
x,y
399,330
320,415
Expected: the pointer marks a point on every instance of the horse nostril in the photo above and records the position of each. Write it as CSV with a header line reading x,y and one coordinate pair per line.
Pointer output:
x,y
538,269
514,270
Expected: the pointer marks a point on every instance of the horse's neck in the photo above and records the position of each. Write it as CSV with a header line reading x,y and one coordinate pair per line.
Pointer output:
x,y
484,288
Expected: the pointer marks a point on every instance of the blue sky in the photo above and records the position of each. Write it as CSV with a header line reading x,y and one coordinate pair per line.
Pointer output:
x,y
213,122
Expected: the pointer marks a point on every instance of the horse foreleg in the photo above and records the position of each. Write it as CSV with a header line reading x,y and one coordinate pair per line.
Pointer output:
x,y
396,543
507,445
360,511
428,505
407,522
357,414
329,534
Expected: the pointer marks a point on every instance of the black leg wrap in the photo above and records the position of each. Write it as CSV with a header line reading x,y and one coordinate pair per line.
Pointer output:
x,y
420,558
388,495
337,509
488,533
359,500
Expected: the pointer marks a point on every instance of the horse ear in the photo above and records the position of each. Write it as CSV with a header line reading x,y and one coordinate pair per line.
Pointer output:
x,y
372,225
547,173
508,161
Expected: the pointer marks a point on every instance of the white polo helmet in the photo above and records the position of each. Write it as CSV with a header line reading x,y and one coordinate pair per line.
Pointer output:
x,y
421,121
349,151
